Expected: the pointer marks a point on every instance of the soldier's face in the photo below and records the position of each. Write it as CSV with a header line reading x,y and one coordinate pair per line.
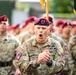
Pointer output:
x,y
41,33
17,31
3,26
67,29
74,30
59,28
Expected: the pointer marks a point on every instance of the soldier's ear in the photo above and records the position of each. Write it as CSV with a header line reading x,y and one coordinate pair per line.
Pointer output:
x,y
48,28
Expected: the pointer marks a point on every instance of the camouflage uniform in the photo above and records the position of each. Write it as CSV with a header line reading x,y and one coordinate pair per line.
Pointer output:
x,y
69,63
72,48
30,51
52,35
24,36
8,45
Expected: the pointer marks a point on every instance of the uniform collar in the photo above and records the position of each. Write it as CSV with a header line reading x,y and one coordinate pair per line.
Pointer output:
x,y
47,43
3,34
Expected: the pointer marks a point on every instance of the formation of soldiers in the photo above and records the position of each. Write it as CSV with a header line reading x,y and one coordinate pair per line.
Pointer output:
x,y
37,48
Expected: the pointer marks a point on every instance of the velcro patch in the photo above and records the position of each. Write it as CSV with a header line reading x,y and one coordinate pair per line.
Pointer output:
x,y
18,56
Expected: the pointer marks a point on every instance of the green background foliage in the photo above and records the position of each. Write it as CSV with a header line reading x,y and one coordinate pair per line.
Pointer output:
x,y
61,6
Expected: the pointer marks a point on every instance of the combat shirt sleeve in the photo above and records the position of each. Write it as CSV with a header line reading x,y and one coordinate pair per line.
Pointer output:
x,y
72,46
72,39
32,64
57,61
16,41
22,59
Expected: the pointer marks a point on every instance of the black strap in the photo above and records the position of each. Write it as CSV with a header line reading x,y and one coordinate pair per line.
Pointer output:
x,y
4,64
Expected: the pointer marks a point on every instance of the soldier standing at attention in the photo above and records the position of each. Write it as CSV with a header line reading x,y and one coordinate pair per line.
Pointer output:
x,y
29,24
66,30
59,25
8,45
69,63
51,34
40,55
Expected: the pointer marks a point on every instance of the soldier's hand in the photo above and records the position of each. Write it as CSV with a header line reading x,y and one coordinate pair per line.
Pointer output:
x,y
18,72
47,57
44,57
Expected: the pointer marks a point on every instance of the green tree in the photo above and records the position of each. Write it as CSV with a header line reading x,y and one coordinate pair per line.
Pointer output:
x,y
62,6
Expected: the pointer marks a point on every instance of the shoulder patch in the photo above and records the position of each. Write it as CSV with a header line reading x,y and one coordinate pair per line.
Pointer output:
x,y
18,56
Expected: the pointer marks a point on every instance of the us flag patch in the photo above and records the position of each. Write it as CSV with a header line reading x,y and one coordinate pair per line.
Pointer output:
x,y
18,56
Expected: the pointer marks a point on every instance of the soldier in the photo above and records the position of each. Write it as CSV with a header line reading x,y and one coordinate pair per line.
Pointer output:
x,y
51,34
73,30
28,24
69,63
27,34
40,55
72,48
14,29
59,24
8,45
66,30
51,23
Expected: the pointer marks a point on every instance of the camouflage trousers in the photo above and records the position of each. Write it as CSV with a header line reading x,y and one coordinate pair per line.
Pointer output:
x,y
6,71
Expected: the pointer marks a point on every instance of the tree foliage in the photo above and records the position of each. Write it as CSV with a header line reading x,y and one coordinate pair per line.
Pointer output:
x,y
61,6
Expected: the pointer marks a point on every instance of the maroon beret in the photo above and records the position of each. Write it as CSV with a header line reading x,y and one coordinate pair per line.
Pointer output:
x,y
15,26
50,19
73,24
42,21
3,18
59,22
66,24
30,19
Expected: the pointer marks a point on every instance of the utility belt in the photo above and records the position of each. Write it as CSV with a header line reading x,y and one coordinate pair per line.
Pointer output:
x,y
4,64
